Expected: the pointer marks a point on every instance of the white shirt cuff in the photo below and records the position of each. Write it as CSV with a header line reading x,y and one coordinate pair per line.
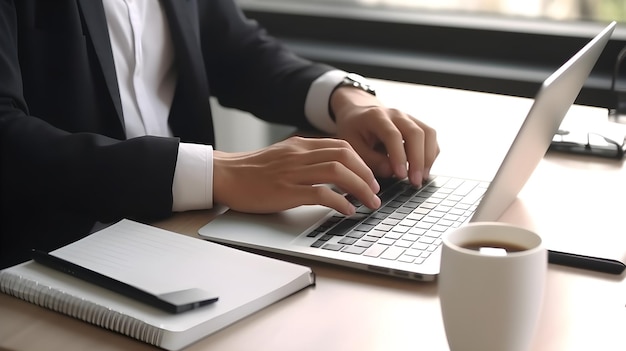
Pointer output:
x,y
192,188
318,99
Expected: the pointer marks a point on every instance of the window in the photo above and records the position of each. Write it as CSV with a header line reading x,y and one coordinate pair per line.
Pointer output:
x,y
500,46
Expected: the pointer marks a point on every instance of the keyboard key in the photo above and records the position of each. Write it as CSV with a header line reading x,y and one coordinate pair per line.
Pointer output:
x,y
426,240
364,227
315,233
391,222
437,214
397,215
355,234
384,227
423,225
408,222
370,238
372,220
419,260
363,243
445,222
410,237
420,246
413,252
375,250
386,241
450,217
347,241
415,216
406,259
377,233
403,243
432,248
430,219
433,234
354,250
428,205
332,247
343,227
422,211
392,253
394,235
417,231
318,243
439,228
400,229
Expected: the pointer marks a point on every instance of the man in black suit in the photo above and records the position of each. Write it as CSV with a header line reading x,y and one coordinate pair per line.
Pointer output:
x,y
104,114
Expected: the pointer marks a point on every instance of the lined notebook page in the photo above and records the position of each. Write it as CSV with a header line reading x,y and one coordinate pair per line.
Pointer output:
x,y
159,261
142,256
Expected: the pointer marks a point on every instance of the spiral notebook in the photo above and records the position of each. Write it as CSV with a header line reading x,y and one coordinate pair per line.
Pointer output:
x,y
157,261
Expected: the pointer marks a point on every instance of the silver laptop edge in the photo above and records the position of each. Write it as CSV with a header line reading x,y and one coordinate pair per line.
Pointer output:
x,y
284,233
555,97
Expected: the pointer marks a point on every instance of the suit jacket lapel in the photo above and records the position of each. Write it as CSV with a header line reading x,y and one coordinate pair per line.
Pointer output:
x,y
93,14
190,116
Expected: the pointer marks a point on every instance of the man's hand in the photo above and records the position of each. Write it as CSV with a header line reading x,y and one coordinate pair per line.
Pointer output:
x,y
290,173
385,138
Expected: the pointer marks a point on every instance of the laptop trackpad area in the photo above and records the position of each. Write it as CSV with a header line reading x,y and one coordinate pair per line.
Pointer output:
x,y
263,229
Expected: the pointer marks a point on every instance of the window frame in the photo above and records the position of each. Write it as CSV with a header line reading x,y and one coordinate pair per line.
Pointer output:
x,y
495,54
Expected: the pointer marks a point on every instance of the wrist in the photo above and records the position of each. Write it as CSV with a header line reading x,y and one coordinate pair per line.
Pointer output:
x,y
346,99
352,90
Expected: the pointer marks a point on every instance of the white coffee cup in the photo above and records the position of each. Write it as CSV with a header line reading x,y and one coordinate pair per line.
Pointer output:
x,y
491,299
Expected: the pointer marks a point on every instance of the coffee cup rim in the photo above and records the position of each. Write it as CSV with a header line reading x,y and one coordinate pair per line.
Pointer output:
x,y
536,246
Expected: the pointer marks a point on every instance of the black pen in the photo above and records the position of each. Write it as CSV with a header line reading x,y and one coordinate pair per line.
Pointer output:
x,y
173,302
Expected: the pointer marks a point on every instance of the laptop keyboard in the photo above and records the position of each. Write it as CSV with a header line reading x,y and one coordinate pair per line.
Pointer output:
x,y
408,226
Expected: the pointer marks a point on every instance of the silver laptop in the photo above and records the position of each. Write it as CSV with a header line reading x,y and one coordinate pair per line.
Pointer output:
x,y
403,237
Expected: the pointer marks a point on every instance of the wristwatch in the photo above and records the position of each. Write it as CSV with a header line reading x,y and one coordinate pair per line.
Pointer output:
x,y
356,81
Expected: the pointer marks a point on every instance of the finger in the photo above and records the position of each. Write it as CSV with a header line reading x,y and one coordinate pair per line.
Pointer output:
x,y
414,140
375,157
431,147
298,195
319,143
391,137
333,172
348,158
323,195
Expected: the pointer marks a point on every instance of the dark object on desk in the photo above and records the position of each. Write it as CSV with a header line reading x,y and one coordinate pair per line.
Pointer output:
x,y
619,90
592,143
174,302
597,264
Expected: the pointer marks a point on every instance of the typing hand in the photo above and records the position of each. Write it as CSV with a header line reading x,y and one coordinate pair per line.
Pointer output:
x,y
289,173
385,138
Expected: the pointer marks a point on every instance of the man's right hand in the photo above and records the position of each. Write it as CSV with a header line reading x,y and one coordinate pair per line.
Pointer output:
x,y
293,173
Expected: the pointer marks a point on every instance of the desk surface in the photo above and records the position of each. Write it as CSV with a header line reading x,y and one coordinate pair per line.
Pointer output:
x,y
353,310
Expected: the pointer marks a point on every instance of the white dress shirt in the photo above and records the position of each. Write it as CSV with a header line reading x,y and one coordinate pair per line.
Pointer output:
x,y
144,64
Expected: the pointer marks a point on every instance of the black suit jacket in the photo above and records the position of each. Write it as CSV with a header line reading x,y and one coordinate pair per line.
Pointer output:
x,y
64,161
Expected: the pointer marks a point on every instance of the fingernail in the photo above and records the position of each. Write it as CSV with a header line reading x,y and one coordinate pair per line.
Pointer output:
x,y
376,202
417,178
400,171
375,186
351,211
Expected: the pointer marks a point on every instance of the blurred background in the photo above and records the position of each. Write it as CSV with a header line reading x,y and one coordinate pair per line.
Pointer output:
x,y
498,46
588,10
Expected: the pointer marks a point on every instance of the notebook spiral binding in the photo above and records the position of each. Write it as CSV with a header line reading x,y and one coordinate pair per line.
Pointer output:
x,y
65,303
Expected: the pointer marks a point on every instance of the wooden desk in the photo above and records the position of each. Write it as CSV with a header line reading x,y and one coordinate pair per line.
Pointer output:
x,y
353,310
